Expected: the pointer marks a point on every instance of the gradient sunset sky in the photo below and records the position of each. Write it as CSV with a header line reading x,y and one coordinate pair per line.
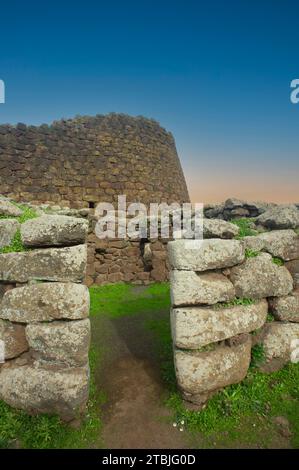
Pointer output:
x,y
216,74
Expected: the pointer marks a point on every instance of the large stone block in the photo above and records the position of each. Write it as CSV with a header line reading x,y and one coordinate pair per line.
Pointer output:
x,y
8,229
190,288
198,255
293,267
50,264
201,373
194,327
60,342
281,345
280,217
260,277
9,209
286,308
40,390
283,244
216,228
53,230
14,339
45,302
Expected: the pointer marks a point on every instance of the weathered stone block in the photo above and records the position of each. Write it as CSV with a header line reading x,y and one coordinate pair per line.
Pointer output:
x,y
190,288
14,339
8,229
194,327
280,217
281,345
283,244
216,228
286,308
60,342
198,255
200,373
293,267
45,302
259,277
50,264
53,230
35,389
7,208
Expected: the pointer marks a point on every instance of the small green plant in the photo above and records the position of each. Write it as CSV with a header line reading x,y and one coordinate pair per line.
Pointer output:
x,y
245,227
277,261
270,317
257,331
251,253
257,355
234,302
16,245
28,213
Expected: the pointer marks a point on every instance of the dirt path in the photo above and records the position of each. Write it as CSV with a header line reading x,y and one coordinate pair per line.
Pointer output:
x,y
134,415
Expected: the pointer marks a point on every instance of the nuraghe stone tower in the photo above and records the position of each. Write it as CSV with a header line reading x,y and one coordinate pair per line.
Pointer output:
x,y
79,162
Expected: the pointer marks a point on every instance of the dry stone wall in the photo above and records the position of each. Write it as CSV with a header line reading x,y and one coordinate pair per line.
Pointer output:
x,y
80,162
44,310
228,297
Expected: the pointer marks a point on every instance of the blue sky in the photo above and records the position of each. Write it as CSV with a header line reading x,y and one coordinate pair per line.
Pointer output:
x,y
216,74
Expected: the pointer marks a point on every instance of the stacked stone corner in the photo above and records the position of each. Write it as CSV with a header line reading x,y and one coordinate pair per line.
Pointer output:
x,y
44,319
225,303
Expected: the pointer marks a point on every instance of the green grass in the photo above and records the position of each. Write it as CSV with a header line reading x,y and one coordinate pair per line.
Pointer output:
x,y
118,300
232,303
228,417
257,399
233,411
245,227
257,356
28,213
277,261
251,253
48,432
16,245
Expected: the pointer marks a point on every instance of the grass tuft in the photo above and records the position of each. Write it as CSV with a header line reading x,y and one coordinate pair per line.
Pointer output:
x,y
232,303
245,227
251,253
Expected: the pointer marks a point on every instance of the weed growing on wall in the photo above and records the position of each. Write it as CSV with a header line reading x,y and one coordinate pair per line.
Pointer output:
x,y
232,303
257,355
251,253
16,244
245,227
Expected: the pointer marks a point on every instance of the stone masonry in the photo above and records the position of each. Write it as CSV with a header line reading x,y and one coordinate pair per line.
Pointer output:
x,y
77,163
226,300
44,324
80,162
